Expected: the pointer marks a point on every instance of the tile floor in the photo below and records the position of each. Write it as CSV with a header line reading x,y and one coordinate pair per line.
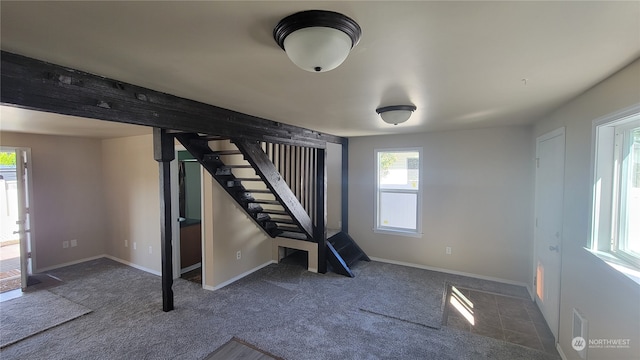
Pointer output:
x,y
511,319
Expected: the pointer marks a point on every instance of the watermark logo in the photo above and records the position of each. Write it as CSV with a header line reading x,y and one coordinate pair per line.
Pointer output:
x,y
578,343
609,343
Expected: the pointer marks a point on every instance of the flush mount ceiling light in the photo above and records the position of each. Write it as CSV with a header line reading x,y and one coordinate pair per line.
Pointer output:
x,y
317,40
396,114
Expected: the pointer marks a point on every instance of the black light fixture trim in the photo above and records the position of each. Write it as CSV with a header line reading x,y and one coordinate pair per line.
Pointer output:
x,y
320,18
384,109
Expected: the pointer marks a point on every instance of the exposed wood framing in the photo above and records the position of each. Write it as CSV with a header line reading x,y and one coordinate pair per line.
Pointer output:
x,y
320,234
37,85
164,153
344,185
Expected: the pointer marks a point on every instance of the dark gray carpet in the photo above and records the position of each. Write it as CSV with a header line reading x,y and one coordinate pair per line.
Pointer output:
x,y
236,349
33,313
282,309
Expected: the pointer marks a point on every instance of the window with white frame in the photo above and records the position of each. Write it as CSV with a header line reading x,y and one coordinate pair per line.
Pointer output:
x,y
398,191
616,207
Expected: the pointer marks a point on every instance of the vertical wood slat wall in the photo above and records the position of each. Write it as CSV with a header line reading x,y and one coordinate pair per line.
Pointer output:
x,y
297,166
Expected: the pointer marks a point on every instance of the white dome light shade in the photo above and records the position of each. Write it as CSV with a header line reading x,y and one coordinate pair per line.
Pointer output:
x,y
317,40
396,114
317,49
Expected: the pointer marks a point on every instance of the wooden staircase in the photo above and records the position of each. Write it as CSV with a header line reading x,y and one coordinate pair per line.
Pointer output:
x,y
274,185
343,253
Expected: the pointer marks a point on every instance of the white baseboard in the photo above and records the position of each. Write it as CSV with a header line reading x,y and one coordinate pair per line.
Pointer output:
x,y
189,268
232,280
531,294
447,271
49,268
150,271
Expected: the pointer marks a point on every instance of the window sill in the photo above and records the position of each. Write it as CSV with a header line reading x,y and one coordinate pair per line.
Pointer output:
x,y
398,233
620,266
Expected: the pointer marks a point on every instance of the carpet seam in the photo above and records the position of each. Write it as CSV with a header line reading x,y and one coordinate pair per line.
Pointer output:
x,y
43,330
401,319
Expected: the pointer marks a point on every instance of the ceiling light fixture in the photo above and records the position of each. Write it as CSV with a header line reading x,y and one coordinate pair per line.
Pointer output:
x,y
317,40
396,114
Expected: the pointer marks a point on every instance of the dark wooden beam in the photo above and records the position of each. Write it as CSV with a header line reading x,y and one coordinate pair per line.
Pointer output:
x,y
345,186
36,85
164,153
321,210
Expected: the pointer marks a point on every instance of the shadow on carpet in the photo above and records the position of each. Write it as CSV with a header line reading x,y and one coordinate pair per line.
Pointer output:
x,y
236,349
33,313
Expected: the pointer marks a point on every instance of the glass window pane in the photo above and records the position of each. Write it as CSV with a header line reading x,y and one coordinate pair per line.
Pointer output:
x,y
398,169
630,201
398,210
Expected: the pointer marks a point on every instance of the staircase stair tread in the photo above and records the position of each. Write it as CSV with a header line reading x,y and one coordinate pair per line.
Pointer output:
x,y
267,202
259,191
213,137
292,235
248,179
274,212
342,247
290,229
226,152
350,260
282,221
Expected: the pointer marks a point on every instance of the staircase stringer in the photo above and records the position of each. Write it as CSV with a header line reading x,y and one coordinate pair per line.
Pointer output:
x,y
267,171
199,148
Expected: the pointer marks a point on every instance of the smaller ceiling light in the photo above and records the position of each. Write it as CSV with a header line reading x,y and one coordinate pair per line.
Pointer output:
x,y
317,40
396,114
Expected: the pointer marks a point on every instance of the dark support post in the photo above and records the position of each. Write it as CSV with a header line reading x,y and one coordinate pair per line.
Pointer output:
x,y
164,153
321,209
345,185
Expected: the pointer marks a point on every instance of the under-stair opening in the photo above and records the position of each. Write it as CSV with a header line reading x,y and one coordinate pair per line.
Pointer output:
x,y
295,257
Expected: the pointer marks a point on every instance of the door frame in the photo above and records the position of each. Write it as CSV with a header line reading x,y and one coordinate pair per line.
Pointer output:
x,y
27,263
547,136
175,214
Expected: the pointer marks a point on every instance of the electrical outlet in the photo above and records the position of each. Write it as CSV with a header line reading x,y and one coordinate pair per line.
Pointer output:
x,y
238,255
150,250
126,243
134,245
74,243
65,244
447,250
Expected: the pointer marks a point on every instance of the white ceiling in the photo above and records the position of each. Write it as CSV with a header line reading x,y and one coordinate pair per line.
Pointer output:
x,y
461,63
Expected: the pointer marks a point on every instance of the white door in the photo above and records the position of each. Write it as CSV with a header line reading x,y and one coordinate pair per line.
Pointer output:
x,y
22,204
548,224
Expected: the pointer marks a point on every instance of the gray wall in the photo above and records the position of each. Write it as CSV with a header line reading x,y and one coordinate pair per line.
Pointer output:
x,y
609,300
67,182
477,199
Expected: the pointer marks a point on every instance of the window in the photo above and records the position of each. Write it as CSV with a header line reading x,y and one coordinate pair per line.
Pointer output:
x,y
616,207
398,195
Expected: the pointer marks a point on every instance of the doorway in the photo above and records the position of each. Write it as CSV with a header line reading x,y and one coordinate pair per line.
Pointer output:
x,y
15,218
189,234
549,191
